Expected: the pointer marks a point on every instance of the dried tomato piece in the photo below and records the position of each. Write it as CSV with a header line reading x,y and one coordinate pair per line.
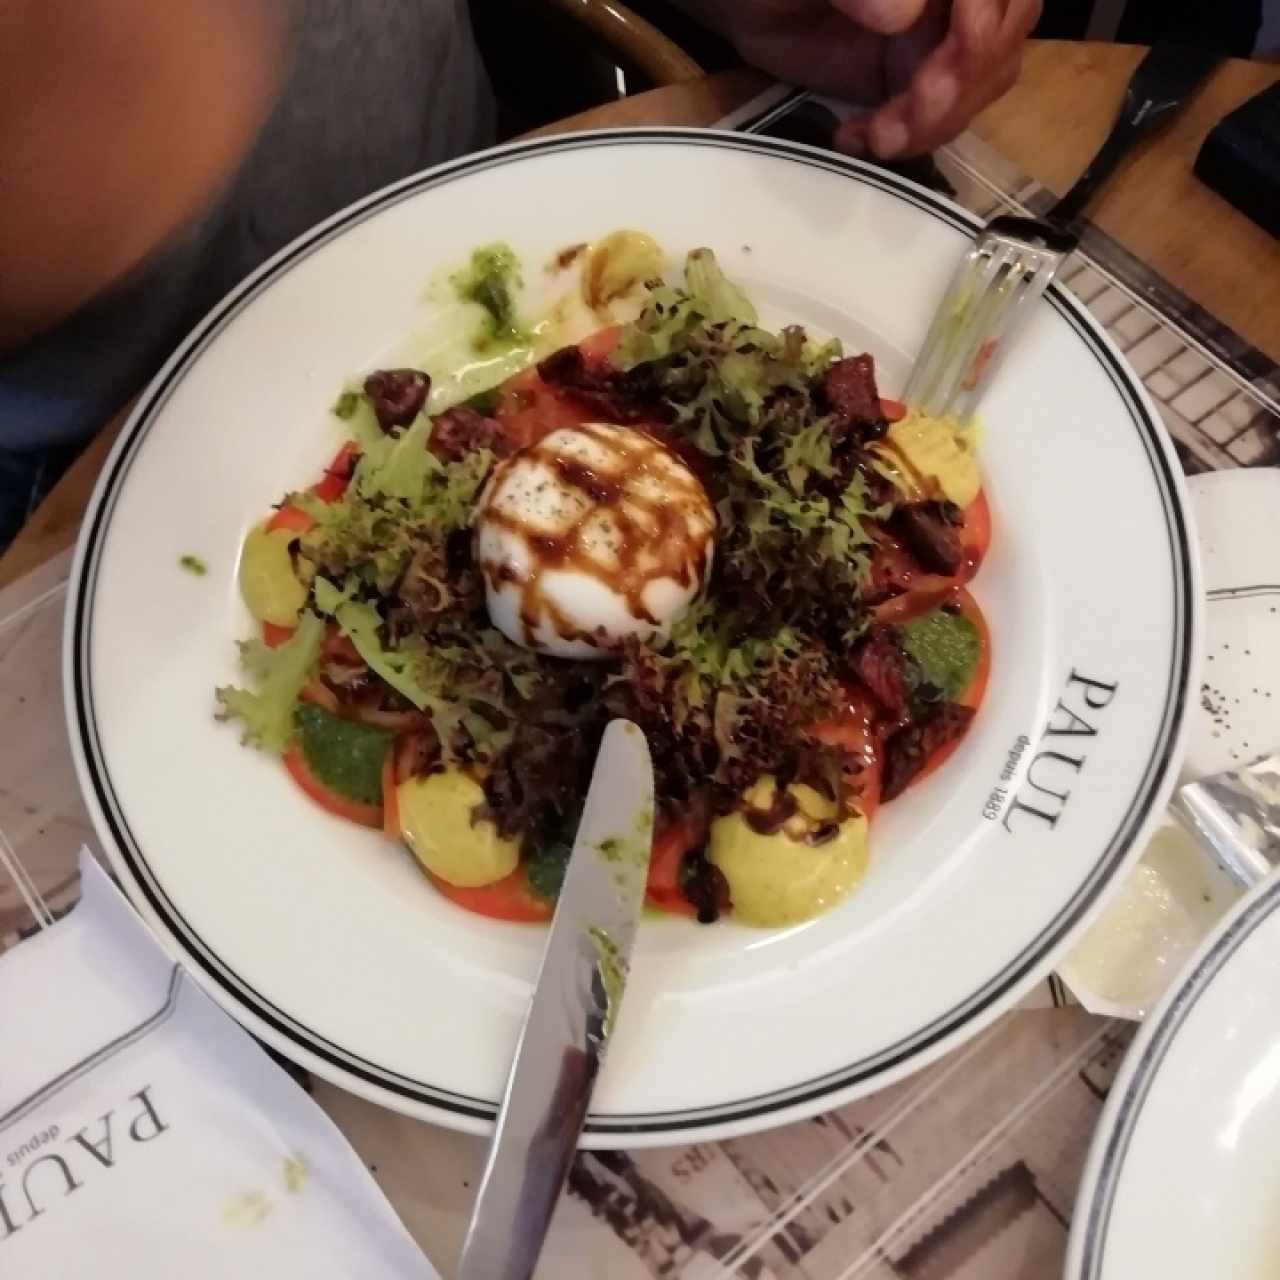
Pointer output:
x,y
397,395
907,751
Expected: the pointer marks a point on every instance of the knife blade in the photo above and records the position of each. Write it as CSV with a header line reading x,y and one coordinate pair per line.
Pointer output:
x,y
571,1015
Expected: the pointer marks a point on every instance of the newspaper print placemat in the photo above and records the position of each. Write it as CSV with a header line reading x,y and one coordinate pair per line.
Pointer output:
x,y
968,1170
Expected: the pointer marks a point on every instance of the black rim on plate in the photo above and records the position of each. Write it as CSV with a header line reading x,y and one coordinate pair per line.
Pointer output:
x,y
1145,1068
113,822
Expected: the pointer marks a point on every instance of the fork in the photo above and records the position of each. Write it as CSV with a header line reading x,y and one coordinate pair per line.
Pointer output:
x,y
1014,259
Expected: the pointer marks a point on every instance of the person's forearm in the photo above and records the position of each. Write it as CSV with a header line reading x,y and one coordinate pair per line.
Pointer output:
x,y
119,120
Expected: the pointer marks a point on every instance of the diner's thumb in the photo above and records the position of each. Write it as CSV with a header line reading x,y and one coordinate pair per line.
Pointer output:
x,y
887,17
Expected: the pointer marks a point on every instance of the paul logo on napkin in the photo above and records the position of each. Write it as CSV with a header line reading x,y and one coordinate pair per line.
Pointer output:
x,y
143,1133
49,1166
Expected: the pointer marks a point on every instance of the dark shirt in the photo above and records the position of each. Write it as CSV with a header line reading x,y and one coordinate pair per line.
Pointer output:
x,y
376,90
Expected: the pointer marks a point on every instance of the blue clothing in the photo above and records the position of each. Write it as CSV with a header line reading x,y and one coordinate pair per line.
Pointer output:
x,y
25,479
375,91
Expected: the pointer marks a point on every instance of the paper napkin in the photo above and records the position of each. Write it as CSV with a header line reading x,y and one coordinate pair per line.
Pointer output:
x,y
143,1133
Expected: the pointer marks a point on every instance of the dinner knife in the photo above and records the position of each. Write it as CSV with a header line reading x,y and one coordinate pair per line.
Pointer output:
x,y
572,1013
1236,817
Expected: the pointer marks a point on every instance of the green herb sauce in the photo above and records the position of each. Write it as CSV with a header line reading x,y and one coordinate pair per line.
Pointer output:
x,y
545,870
612,970
945,647
490,282
347,757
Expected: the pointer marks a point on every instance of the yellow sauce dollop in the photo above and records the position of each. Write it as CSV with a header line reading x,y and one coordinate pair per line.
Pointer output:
x,y
779,878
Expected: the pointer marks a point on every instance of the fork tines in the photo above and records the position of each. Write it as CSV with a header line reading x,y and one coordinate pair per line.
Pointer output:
x,y
1010,265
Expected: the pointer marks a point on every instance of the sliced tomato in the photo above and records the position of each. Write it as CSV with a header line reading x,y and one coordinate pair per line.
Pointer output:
x,y
291,517
893,410
390,802
601,345
331,486
337,474
975,533
507,899
273,636
976,689
669,848
366,815
854,729
530,409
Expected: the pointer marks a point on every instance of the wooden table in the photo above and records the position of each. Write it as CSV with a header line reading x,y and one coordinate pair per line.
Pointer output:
x,y
1049,125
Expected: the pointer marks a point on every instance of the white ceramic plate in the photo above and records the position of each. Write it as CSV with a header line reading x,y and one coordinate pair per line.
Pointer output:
x,y
1137,947
326,942
1236,718
1182,1180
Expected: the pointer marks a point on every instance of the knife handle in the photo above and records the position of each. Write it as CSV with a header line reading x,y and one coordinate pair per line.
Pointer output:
x,y
1165,78
575,999
495,1251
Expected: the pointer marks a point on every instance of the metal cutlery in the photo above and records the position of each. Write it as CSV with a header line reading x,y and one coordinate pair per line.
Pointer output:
x,y
1014,259
1235,816
572,1013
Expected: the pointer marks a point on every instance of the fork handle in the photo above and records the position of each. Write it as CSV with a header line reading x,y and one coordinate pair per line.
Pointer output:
x,y
1164,79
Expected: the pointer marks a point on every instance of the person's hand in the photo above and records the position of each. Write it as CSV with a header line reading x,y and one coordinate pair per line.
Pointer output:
x,y
927,66
951,62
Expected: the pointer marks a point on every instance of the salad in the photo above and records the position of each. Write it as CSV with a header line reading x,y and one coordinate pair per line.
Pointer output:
x,y
720,532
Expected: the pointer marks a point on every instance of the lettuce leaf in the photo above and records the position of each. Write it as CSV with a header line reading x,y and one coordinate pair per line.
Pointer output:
x,y
725,707
362,625
329,598
266,716
715,296
402,499
464,687
708,298
733,691
361,421
669,315
806,453
399,466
